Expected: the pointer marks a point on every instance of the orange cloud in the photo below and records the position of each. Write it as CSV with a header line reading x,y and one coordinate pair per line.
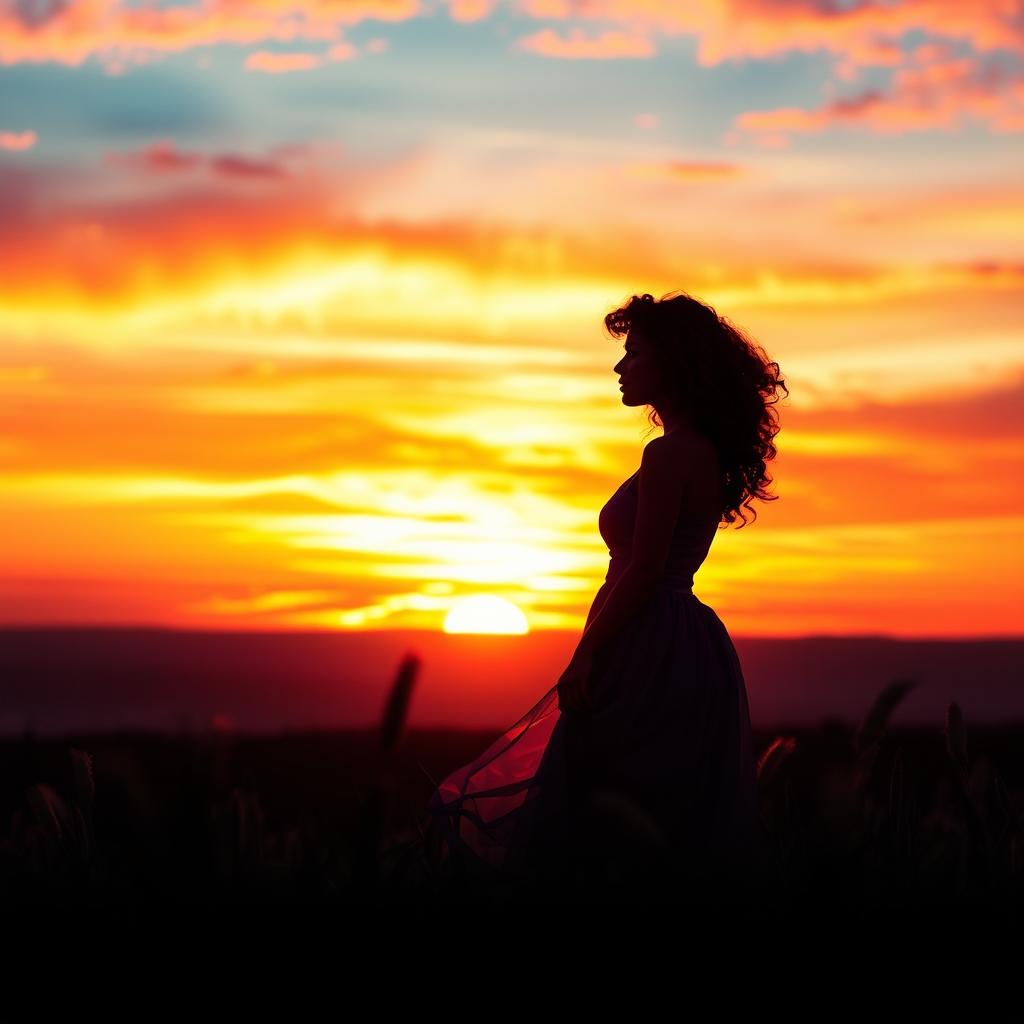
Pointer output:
x,y
329,477
280,63
608,45
230,217
866,33
470,10
686,170
702,170
796,119
68,33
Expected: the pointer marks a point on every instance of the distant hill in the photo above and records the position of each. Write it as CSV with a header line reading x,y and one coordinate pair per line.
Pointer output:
x,y
57,680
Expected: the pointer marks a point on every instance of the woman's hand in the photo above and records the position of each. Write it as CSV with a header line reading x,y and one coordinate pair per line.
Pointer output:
x,y
573,692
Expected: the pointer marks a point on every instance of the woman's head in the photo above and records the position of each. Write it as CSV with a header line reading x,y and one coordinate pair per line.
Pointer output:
x,y
695,368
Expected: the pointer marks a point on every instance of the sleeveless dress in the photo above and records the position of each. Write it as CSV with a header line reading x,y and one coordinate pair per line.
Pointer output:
x,y
665,757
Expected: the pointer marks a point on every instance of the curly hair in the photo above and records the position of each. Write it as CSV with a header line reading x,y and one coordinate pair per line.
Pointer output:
x,y
722,378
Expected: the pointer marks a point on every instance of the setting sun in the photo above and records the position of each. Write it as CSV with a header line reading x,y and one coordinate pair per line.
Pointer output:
x,y
485,614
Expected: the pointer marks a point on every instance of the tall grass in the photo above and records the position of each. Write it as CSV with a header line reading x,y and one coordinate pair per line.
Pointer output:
x,y
857,820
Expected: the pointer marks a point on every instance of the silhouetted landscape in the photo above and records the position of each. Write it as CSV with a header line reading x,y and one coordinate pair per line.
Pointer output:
x,y
83,680
856,818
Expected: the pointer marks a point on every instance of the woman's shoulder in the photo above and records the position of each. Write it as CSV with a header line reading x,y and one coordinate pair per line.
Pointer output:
x,y
688,445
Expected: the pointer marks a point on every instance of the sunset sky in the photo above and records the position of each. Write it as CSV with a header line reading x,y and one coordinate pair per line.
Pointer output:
x,y
302,304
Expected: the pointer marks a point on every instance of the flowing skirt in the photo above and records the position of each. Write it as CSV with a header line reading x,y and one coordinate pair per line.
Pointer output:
x,y
663,763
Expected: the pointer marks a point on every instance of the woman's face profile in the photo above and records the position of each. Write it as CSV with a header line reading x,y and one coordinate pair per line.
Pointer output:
x,y
638,371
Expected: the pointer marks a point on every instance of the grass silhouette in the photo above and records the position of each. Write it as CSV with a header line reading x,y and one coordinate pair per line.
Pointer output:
x,y
851,822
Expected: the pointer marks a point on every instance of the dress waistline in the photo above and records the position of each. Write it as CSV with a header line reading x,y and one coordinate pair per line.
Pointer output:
x,y
673,582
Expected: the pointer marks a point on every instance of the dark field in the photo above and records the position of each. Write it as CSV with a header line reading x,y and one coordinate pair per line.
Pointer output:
x,y
855,822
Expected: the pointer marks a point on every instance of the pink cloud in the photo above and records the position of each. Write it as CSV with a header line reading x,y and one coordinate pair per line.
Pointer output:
x,y
231,166
163,158
935,83
342,51
17,140
923,96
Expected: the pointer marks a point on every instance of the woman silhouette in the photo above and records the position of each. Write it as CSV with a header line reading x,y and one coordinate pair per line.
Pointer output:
x,y
638,764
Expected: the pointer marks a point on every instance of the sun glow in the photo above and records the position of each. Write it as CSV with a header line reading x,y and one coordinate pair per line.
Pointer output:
x,y
485,614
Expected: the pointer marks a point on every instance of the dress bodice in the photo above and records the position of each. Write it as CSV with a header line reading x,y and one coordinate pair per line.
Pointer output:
x,y
691,540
